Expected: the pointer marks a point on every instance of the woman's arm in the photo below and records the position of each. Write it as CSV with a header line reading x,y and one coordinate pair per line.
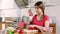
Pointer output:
x,y
30,21
46,26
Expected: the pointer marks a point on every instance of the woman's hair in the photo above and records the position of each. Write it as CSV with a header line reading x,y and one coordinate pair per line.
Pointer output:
x,y
40,5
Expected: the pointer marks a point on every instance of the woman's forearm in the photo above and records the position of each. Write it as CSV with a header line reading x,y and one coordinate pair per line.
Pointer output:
x,y
41,27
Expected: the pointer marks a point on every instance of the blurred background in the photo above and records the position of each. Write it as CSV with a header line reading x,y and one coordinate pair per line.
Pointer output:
x,y
14,10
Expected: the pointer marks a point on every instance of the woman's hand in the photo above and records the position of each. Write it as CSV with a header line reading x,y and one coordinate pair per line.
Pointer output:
x,y
31,25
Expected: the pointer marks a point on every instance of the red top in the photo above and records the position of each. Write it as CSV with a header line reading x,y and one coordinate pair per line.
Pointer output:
x,y
41,22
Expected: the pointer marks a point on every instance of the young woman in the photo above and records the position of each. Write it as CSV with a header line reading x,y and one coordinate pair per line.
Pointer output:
x,y
40,20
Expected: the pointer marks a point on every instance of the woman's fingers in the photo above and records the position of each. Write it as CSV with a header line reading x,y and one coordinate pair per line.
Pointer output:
x,y
31,26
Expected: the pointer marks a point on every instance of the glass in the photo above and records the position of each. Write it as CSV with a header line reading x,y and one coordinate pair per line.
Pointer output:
x,y
53,19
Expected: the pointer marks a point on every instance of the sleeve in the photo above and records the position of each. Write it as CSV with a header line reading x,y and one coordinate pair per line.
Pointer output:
x,y
46,17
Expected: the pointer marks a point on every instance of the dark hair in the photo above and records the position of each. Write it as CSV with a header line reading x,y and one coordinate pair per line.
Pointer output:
x,y
40,5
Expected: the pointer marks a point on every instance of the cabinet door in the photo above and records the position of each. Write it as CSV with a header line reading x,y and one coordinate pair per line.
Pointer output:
x,y
6,25
54,26
0,26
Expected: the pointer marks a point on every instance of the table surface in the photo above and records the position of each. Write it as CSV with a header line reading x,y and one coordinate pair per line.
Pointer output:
x,y
40,33
46,33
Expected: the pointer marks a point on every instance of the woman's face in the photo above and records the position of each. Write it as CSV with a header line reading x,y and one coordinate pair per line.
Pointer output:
x,y
38,10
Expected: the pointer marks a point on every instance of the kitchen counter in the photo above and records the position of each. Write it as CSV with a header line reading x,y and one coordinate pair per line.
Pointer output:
x,y
51,25
8,24
47,33
35,32
39,33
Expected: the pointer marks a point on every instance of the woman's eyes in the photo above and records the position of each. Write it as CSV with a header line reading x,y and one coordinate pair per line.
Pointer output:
x,y
36,8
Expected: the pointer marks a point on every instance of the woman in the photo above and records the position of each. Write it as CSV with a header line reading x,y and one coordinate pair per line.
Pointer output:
x,y
40,20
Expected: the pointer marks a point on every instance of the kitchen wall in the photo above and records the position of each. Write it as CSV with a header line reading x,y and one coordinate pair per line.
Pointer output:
x,y
8,8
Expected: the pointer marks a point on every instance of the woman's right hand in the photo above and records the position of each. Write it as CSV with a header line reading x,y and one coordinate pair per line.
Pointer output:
x,y
31,25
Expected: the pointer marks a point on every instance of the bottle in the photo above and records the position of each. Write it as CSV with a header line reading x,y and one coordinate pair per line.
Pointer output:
x,y
3,28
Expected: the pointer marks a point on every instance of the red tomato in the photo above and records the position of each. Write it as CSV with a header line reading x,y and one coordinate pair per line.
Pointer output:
x,y
16,30
21,32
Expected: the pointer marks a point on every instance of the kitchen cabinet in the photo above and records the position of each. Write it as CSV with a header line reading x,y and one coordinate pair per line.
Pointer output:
x,y
0,26
54,26
6,25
